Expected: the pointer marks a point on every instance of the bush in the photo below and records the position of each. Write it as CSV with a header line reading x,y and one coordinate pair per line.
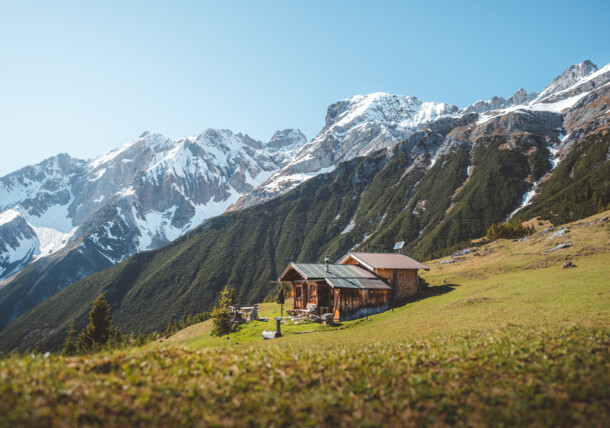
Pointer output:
x,y
508,230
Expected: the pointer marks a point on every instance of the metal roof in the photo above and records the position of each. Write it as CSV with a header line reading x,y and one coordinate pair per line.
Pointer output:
x,y
318,270
385,261
360,283
374,284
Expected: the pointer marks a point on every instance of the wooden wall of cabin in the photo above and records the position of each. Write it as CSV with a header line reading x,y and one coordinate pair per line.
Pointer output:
x,y
388,275
350,299
350,261
403,281
296,290
352,303
309,293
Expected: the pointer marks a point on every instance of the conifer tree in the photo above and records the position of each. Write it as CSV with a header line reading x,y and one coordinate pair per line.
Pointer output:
x,y
99,329
70,344
221,315
233,300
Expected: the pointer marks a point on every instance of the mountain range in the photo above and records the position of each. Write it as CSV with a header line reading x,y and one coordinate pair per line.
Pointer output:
x,y
384,168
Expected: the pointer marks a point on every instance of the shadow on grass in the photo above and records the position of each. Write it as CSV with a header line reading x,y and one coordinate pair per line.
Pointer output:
x,y
432,291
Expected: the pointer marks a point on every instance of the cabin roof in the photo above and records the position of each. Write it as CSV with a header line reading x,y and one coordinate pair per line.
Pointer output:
x,y
338,276
318,271
360,283
384,261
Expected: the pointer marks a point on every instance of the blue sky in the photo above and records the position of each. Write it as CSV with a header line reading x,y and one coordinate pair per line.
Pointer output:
x,y
86,77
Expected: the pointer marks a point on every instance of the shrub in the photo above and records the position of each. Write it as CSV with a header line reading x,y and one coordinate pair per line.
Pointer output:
x,y
508,230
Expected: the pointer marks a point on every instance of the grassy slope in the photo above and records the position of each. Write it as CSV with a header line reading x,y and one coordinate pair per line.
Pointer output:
x,y
514,340
504,284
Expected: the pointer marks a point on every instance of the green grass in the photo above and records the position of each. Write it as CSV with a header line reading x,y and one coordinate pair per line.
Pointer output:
x,y
505,337
515,376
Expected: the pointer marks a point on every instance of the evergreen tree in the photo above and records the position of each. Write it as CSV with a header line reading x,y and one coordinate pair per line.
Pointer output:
x,y
221,315
233,300
99,329
70,344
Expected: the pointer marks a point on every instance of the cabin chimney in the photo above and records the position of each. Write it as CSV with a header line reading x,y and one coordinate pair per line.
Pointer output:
x,y
326,261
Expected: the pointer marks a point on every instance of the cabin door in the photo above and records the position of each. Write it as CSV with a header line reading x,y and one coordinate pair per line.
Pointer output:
x,y
324,300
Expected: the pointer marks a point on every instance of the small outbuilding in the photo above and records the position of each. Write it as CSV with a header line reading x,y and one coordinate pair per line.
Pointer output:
x,y
361,284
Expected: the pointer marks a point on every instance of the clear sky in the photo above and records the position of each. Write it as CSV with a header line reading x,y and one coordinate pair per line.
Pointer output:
x,y
86,77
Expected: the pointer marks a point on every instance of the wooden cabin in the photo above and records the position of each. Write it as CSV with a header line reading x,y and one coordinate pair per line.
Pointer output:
x,y
346,291
361,284
398,270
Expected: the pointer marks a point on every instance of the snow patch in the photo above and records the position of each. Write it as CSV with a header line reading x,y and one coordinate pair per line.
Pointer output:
x,y
21,252
349,227
128,191
554,156
527,199
51,240
558,106
97,175
284,183
8,216
56,217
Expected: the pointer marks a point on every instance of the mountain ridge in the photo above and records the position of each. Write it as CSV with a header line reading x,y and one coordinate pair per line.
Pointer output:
x,y
137,197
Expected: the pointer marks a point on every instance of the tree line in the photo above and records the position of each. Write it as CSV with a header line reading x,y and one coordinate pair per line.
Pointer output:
x,y
100,333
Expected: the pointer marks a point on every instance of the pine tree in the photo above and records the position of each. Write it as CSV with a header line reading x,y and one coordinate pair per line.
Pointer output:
x,y
99,329
221,315
70,344
233,300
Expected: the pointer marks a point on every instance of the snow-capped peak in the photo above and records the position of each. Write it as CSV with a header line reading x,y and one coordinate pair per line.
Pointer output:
x,y
563,93
355,126
286,139
404,110
574,74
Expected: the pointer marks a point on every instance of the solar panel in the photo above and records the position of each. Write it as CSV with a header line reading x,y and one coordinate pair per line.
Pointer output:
x,y
399,245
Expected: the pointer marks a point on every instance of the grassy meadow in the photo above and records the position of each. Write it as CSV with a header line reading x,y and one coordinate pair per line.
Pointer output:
x,y
504,336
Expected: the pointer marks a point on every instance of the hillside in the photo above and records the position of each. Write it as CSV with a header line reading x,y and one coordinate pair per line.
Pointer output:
x,y
327,215
505,283
442,175
504,336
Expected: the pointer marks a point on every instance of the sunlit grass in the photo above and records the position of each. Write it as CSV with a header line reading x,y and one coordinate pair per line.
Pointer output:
x,y
505,337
